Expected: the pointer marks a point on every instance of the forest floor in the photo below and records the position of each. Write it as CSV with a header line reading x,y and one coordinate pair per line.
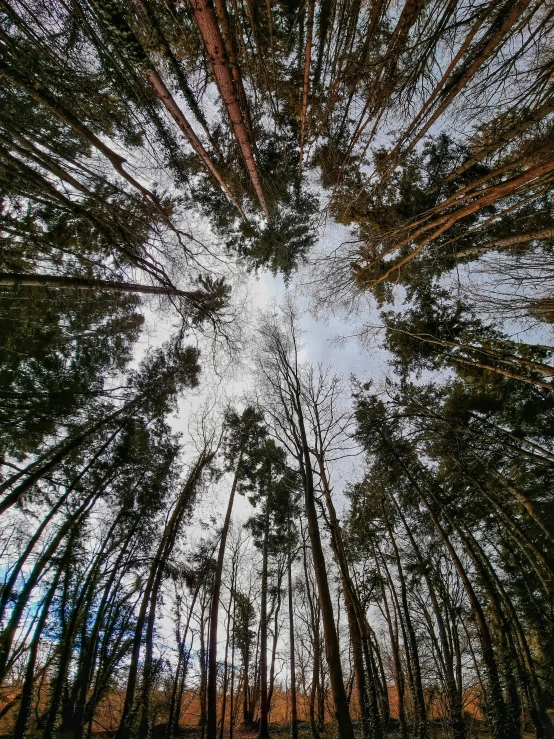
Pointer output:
x,y
304,732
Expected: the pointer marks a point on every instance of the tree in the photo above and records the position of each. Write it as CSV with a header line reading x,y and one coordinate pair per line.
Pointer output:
x,y
280,369
245,434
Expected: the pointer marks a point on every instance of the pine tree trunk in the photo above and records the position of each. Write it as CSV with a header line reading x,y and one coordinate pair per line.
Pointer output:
x,y
511,628
41,468
148,604
206,20
58,683
496,707
9,585
84,677
20,728
178,116
229,636
195,297
227,34
175,68
454,695
45,98
226,664
419,699
9,632
397,664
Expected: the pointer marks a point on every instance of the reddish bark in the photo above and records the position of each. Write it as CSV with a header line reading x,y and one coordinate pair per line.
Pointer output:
x,y
481,199
226,32
208,26
177,114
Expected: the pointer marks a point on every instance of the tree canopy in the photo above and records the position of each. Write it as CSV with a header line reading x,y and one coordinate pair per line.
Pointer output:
x,y
387,567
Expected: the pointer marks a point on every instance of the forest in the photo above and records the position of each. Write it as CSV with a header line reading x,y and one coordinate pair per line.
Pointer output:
x,y
276,377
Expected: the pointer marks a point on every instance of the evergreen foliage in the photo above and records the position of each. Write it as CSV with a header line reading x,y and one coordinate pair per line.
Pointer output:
x,y
150,152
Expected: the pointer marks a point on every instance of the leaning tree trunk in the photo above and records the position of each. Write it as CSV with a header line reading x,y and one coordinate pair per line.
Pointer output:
x,y
332,648
212,643
60,111
20,728
84,676
306,85
454,695
10,584
8,634
371,724
208,26
496,705
397,664
174,65
294,708
264,704
419,699
66,647
157,568
195,298
43,466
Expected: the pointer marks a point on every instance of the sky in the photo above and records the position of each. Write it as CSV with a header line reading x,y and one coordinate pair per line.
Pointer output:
x,y
319,334
322,342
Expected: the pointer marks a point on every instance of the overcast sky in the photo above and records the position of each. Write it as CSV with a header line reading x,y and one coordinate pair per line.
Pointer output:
x,y
319,344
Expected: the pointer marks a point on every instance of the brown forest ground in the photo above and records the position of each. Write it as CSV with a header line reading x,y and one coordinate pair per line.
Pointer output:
x,y
109,712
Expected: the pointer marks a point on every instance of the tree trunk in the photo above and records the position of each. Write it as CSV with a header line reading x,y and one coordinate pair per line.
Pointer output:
x,y
178,116
232,695
8,634
212,645
149,598
274,641
202,691
41,468
454,694
264,704
175,68
227,34
196,298
294,709
226,663
206,20
9,585
45,98
67,641
314,624
371,725
419,699
511,627
398,672
496,705
332,649
306,85
84,677
20,728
